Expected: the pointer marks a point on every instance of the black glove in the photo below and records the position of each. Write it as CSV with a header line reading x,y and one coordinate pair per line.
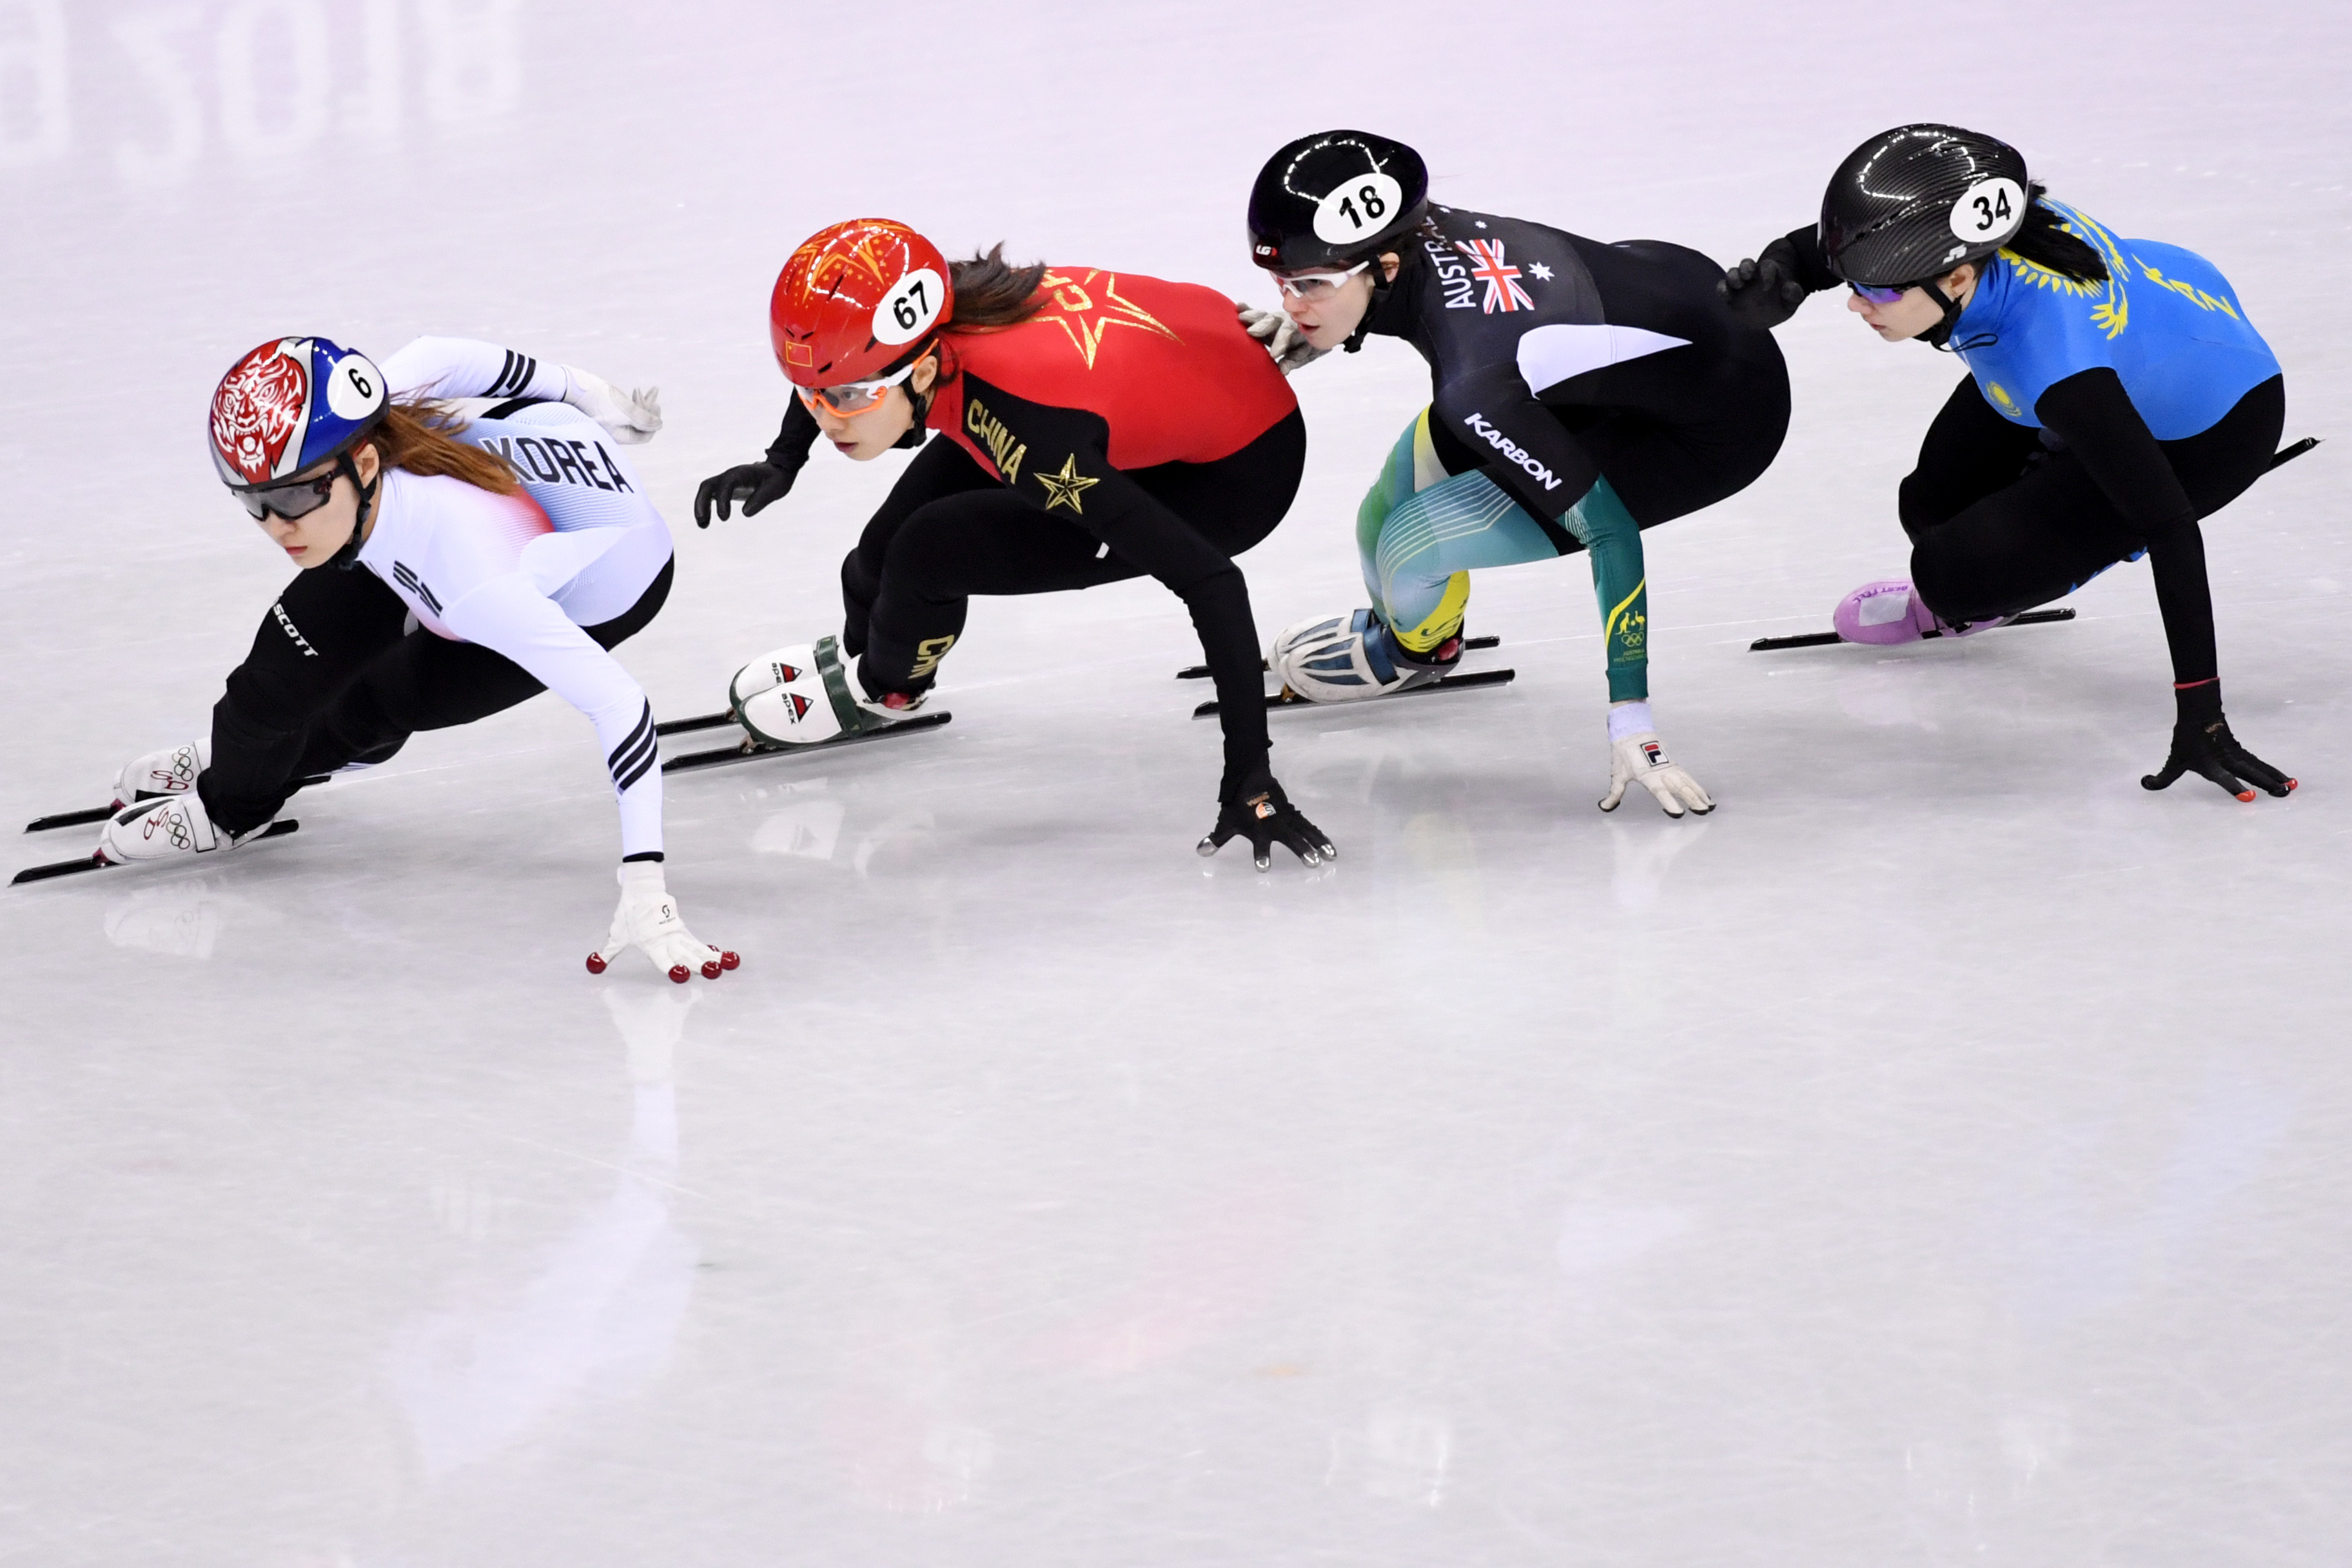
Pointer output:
x,y
1256,809
756,485
2203,745
1766,291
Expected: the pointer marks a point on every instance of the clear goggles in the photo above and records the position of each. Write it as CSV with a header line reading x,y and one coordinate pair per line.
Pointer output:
x,y
1317,285
853,396
296,497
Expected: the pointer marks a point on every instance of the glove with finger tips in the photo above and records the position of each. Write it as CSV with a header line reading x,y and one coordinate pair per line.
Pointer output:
x,y
1281,336
1636,753
754,485
648,920
1765,291
2203,745
631,418
1257,810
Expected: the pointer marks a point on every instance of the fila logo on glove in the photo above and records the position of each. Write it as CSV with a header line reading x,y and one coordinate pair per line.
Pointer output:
x,y
1511,449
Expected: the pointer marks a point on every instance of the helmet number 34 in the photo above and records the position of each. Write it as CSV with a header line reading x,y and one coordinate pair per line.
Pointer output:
x,y
1987,208
1357,208
910,307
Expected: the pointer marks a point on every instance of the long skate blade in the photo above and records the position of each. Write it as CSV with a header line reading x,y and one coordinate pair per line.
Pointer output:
x,y
100,812
92,863
751,751
69,819
1287,698
1823,639
1201,671
2288,453
688,726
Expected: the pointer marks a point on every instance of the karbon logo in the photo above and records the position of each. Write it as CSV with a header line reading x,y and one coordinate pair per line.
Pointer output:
x,y
1512,450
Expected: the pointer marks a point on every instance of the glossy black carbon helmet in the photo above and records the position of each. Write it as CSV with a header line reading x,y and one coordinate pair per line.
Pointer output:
x,y
1333,198
1917,201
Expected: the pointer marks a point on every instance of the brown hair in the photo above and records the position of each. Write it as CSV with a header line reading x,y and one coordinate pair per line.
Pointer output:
x,y
422,439
992,294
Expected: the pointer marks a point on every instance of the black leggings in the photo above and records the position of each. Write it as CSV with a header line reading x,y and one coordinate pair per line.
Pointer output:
x,y
1999,523
362,688
949,529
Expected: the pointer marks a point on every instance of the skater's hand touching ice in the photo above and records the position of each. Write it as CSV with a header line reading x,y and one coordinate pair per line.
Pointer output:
x,y
2203,745
1764,291
648,920
754,485
1257,810
1636,754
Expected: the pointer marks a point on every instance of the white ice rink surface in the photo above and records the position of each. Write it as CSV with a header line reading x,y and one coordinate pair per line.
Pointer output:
x,y
1939,1155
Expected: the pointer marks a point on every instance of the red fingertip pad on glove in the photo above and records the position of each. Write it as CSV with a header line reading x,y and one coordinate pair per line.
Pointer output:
x,y
595,963
710,969
728,961
680,973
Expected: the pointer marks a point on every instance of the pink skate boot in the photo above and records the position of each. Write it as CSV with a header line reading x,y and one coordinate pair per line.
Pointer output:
x,y
1890,612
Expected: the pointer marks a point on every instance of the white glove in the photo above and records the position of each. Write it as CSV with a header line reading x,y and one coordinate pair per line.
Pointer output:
x,y
172,771
1634,752
1281,337
632,417
165,829
647,920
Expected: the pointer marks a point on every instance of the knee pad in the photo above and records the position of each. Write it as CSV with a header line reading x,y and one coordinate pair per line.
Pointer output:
x,y
1441,625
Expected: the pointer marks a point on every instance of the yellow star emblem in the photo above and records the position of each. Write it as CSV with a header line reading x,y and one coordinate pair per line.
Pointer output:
x,y
1064,487
1077,313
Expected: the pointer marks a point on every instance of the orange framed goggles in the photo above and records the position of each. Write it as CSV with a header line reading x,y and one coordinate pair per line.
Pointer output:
x,y
852,396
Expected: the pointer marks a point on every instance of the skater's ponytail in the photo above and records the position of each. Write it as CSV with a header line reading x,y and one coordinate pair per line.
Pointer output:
x,y
2043,241
422,439
992,294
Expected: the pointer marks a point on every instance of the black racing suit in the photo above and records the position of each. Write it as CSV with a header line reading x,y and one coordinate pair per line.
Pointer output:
x,y
1557,362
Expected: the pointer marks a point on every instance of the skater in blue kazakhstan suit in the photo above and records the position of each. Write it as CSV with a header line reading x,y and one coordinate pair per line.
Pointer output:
x,y
2117,394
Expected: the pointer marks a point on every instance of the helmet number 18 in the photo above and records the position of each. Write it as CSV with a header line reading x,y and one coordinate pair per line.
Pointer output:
x,y
1357,208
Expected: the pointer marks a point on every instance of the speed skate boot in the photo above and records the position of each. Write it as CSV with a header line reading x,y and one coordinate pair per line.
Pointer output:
x,y
1345,658
806,695
1889,612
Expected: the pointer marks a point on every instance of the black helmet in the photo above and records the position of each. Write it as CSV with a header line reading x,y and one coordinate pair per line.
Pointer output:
x,y
1333,198
1917,201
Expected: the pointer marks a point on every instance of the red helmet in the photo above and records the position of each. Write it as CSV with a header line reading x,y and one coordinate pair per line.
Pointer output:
x,y
857,300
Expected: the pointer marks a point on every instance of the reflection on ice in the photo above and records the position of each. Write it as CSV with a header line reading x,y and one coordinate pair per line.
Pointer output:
x,y
596,1317
1401,1453
183,918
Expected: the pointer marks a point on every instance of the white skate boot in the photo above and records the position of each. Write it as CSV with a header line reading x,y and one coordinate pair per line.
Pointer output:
x,y
805,696
1349,657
